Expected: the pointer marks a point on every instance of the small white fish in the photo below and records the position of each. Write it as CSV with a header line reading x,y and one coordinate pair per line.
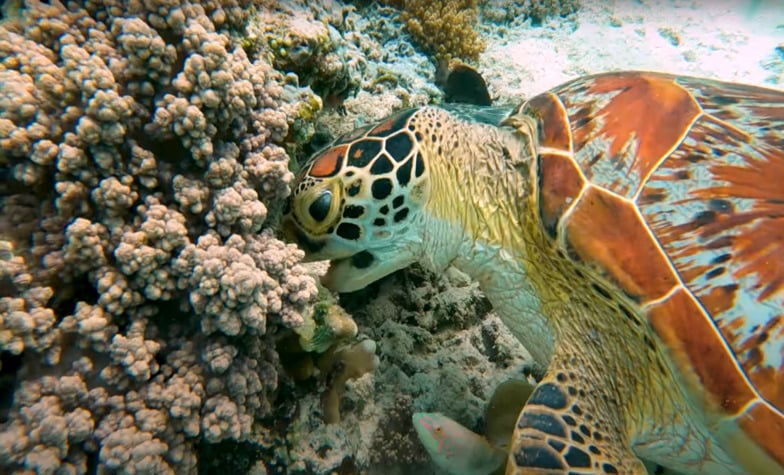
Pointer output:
x,y
455,448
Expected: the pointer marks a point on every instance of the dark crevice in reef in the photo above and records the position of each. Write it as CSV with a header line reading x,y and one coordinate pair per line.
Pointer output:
x,y
80,290
10,364
229,457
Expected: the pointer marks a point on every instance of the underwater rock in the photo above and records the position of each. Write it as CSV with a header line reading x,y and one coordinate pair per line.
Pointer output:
x,y
465,85
341,365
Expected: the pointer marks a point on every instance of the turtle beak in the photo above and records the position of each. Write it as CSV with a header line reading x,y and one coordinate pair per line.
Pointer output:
x,y
360,270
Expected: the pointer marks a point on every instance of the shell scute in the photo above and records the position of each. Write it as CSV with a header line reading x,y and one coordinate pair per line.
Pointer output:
x,y
632,120
750,108
548,109
560,184
722,226
694,344
606,231
560,180
765,426
685,175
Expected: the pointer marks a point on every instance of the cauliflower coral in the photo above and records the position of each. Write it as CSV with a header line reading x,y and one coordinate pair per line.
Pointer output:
x,y
140,284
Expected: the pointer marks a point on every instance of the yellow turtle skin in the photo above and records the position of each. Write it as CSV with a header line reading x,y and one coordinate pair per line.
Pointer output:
x,y
627,227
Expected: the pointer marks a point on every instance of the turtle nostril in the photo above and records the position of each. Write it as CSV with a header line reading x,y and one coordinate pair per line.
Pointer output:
x,y
319,209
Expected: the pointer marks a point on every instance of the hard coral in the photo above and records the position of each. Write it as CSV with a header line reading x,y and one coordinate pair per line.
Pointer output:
x,y
141,288
310,49
536,11
443,28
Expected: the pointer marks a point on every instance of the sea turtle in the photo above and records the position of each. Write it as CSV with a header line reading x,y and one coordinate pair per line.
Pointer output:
x,y
628,228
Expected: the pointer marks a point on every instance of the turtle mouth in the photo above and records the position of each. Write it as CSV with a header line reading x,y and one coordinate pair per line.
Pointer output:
x,y
358,260
339,267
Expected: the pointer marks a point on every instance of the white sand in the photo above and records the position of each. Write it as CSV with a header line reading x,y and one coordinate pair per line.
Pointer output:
x,y
723,39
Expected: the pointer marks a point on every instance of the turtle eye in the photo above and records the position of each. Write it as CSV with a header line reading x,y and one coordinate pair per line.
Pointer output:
x,y
319,209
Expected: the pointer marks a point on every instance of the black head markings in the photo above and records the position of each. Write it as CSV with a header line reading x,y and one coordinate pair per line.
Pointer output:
x,y
383,164
400,215
353,211
609,468
354,188
381,188
399,146
362,152
403,173
349,231
362,259
319,208
419,165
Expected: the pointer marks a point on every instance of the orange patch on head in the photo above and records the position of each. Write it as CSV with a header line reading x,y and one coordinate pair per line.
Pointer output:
x,y
765,427
605,230
329,162
560,184
392,124
384,127
698,350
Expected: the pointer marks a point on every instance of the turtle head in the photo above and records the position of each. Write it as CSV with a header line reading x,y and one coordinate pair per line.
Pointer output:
x,y
357,203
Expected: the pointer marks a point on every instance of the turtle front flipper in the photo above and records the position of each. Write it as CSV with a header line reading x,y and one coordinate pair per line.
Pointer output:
x,y
564,428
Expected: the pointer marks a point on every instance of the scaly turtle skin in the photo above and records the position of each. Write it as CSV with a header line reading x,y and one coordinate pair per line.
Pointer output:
x,y
627,228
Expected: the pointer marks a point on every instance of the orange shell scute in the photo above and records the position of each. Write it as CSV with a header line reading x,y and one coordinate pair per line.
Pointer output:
x,y
671,188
